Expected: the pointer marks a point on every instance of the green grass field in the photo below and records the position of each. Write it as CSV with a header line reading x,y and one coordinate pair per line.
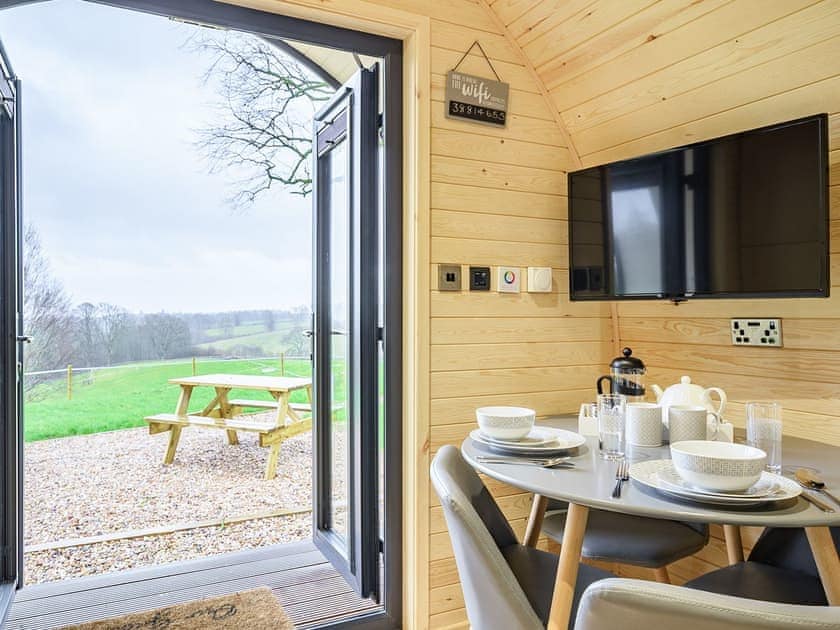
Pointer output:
x,y
272,343
120,398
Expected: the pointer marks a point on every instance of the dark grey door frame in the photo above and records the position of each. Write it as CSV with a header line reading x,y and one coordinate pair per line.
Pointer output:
x,y
11,427
390,52
350,120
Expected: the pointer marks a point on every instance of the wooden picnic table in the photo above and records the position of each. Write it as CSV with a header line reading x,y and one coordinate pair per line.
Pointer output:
x,y
226,414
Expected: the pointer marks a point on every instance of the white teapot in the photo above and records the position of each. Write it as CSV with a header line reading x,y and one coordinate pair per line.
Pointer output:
x,y
687,393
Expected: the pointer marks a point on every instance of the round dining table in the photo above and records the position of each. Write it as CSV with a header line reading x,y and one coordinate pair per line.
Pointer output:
x,y
589,485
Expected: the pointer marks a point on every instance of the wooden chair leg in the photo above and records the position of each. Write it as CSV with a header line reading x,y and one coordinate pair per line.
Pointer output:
x,y
535,521
271,464
174,436
734,546
662,575
233,439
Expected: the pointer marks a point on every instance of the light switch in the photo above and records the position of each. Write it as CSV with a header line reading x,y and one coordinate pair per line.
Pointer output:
x,y
449,277
508,279
479,278
539,279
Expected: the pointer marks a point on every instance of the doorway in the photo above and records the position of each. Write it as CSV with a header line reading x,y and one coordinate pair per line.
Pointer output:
x,y
369,362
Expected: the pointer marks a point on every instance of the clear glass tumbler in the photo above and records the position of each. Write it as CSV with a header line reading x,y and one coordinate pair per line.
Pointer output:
x,y
611,425
764,431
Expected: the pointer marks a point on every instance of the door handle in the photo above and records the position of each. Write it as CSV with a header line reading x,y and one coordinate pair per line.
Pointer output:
x,y
309,333
23,339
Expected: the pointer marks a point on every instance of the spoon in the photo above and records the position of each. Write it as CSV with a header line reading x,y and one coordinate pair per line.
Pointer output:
x,y
812,480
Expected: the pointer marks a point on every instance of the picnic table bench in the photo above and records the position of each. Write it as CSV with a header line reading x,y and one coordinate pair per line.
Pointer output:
x,y
226,414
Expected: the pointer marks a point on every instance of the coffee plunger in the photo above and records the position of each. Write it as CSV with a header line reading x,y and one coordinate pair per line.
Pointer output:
x,y
627,376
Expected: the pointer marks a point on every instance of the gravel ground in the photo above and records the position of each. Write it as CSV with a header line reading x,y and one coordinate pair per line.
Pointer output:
x,y
109,482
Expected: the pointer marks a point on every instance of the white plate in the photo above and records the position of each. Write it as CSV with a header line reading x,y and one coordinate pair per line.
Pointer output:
x,y
537,437
671,480
651,473
539,440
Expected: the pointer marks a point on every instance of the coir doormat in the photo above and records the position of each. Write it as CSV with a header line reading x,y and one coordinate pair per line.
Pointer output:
x,y
250,610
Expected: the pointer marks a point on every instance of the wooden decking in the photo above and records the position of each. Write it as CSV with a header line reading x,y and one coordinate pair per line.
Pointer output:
x,y
305,583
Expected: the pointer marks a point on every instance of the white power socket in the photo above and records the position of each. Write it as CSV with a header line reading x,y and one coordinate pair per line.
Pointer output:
x,y
756,332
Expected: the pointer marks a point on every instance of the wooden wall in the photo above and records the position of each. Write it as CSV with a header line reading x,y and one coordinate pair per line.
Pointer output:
x,y
595,81
498,198
643,76
632,77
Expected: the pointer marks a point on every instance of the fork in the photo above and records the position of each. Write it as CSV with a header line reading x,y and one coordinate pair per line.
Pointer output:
x,y
551,462
622,473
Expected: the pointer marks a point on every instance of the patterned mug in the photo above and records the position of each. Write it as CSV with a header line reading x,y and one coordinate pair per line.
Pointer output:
x,y
644,424
686,422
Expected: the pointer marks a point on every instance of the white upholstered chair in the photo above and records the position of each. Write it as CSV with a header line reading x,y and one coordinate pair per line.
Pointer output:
x,y
506,585
621,604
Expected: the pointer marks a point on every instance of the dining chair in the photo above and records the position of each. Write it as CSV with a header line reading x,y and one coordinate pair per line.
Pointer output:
x,y
625,603
780,568
627,539
505,584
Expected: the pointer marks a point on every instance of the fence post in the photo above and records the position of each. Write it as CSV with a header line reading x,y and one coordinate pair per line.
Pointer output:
x,y
283,364
69,382
193,366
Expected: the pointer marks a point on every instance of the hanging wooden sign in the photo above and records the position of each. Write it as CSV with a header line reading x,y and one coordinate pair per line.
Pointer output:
x,y
476,98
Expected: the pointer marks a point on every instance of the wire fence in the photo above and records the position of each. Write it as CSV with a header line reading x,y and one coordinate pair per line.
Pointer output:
x,y
71,371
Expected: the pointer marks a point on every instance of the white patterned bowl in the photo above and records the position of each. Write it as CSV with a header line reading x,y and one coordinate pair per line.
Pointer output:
x,y
505,423
718,466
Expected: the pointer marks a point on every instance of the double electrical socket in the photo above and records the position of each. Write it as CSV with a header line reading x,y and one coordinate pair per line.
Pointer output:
x,y
756,332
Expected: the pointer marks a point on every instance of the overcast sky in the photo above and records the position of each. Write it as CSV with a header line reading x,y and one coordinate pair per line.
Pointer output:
x,y
123,201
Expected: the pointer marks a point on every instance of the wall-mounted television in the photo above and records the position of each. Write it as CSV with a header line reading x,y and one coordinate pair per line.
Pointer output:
x,y
742,216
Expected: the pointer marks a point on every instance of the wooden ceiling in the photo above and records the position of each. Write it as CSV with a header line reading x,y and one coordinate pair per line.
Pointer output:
x,y
633,76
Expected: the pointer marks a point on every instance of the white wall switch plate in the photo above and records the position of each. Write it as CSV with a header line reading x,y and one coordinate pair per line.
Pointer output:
x,y
539,279
508,279
756,332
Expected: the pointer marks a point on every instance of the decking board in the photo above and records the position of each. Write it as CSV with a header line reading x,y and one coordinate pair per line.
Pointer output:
x,y
301,578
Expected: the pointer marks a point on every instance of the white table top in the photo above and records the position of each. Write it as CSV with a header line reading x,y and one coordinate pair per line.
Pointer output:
x,y
591,482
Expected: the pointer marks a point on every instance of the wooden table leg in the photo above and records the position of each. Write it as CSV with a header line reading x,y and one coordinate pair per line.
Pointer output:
x,y
175,433
184,400
535,521
828,563
224,413
734,546
174,436
567,567
271,464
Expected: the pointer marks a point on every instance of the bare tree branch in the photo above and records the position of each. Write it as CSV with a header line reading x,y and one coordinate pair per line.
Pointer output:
x,y
266,103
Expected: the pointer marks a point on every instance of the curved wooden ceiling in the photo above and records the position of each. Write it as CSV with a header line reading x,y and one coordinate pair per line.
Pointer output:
x,y
627,77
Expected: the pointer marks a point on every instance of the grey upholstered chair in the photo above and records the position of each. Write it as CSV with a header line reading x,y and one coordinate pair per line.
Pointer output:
x,y
628,539
781,569
506,585
632,604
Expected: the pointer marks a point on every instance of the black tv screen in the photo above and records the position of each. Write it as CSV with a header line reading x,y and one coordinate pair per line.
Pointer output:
x,y
744,215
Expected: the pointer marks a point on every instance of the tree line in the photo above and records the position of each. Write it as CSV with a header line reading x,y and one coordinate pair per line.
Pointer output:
x,y
103,334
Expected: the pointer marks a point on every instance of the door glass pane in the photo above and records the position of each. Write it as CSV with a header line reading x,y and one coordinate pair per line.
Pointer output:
x,y
339,269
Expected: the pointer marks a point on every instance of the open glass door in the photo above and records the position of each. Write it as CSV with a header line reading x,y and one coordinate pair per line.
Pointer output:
x,y
11,433
346,333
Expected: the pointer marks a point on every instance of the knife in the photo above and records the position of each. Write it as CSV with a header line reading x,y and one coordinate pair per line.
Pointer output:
x,y
825,507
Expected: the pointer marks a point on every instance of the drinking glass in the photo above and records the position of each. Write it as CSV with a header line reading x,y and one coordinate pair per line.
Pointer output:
x,y
764,431
611,422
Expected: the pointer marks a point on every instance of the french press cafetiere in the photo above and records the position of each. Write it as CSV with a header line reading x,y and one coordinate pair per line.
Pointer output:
x,y
627,376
